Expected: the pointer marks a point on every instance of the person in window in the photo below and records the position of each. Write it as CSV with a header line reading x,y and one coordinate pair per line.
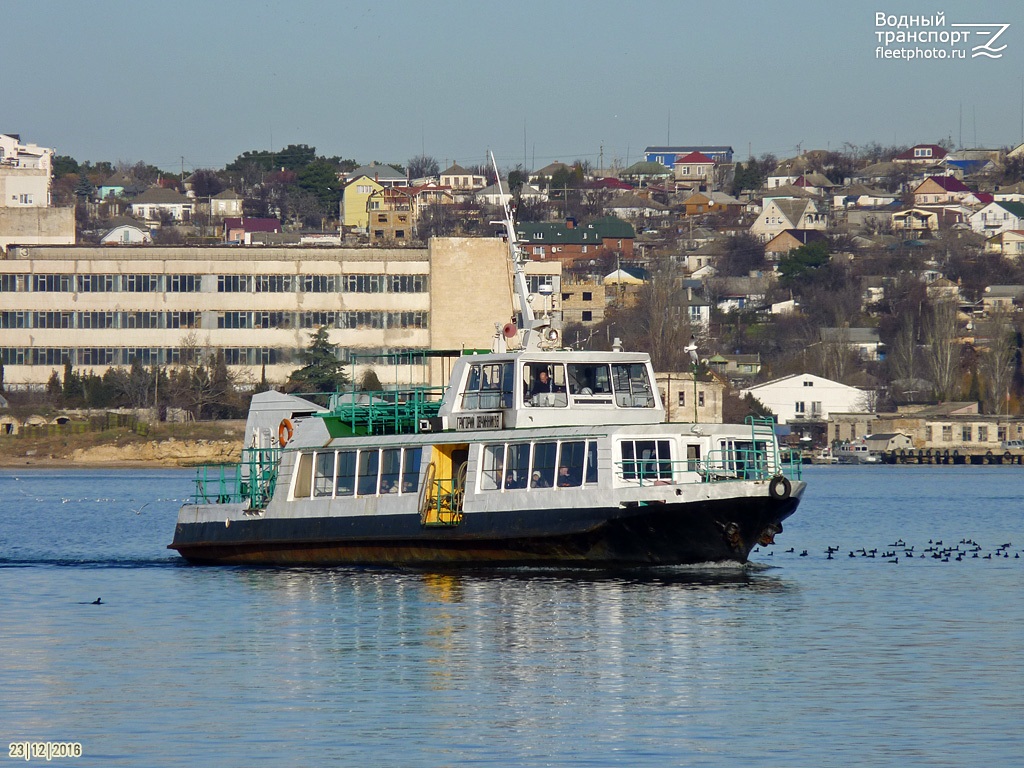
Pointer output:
x,y
565,480
542,383
537,481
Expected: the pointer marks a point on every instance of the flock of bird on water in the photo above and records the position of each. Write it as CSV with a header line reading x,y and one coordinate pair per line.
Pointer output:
x,y
965,549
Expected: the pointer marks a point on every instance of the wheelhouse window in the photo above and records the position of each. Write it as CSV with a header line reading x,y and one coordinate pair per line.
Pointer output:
x,y
632,385
646,460
544,385
488,387
587,379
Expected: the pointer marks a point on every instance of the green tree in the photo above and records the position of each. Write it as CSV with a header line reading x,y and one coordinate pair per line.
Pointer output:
x,y
322,371
295,156
53,388
63,165
320,179
84,187
801,262
516,179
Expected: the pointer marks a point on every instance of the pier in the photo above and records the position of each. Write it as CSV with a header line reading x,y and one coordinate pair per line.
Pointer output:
x,y
952,456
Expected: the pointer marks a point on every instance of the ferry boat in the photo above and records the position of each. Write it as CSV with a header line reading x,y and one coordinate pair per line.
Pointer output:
x,y
533,455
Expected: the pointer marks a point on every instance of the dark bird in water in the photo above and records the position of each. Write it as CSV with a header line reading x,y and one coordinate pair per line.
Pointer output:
x,y
894,560
97,601
804,553
790,551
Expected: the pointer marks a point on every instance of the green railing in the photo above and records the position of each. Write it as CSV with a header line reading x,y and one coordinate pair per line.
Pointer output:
x,y
383,412
251,480
717,467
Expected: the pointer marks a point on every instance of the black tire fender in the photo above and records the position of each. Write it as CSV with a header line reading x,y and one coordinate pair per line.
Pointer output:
x,y
779,488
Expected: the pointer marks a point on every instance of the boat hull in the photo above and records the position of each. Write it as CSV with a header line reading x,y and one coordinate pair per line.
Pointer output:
x,y
632,535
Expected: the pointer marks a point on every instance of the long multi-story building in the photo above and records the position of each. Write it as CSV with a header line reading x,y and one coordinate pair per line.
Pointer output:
x,y
98,307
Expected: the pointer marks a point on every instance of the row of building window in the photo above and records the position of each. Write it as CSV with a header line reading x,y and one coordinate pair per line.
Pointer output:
x,y
154,283
172,320
98,320
346,320
118,356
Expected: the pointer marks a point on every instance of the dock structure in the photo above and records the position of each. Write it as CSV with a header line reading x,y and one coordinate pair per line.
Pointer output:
x,y
952,456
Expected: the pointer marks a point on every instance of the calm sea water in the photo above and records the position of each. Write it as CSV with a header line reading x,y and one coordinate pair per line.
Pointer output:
x,y
796,661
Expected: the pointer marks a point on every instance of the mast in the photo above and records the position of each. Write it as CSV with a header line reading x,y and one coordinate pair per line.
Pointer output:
x,y
534,334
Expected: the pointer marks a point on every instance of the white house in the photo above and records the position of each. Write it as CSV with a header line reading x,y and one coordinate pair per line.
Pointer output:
x,y
125,231
25,172
458,178
806,397
155,201
787,213
226,204
998,217
492,196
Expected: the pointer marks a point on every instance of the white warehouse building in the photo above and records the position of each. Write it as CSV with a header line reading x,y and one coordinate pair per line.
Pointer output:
x,y
98,307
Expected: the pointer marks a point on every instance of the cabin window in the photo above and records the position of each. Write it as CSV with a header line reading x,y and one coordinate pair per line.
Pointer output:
x,y
391,470
646,460
570,464
323,474
592,462
489,387
589,379
632,386
545,385
543,475
411,471
303,473
369,464
346,482
517,467
492,467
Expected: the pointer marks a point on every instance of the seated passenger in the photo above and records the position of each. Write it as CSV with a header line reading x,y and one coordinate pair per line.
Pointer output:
x,y
538,481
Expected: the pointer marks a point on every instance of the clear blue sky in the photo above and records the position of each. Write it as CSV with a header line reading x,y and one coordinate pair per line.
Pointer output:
x,y
532,81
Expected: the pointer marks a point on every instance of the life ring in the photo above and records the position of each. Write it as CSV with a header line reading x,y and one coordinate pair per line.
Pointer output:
x,y
780,488
285,431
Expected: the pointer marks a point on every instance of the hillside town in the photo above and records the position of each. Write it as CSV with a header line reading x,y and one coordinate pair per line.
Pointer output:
x,y
868,291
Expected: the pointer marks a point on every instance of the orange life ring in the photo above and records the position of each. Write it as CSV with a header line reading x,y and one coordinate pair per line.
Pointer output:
x,y
285,430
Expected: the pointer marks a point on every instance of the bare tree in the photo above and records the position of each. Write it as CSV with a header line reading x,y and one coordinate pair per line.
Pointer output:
x,y
903,352
658,323
941,350
997,360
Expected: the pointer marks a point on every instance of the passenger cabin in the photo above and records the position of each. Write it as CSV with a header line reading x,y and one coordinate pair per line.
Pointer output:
x,y
545,389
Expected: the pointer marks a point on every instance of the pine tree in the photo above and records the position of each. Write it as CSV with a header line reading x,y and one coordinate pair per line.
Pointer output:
x,y
322,371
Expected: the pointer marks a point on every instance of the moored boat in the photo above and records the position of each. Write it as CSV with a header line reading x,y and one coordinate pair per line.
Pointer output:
x,y
533,455
856,452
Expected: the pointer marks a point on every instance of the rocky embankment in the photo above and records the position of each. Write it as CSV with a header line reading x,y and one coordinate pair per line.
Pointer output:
x,y
169,453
